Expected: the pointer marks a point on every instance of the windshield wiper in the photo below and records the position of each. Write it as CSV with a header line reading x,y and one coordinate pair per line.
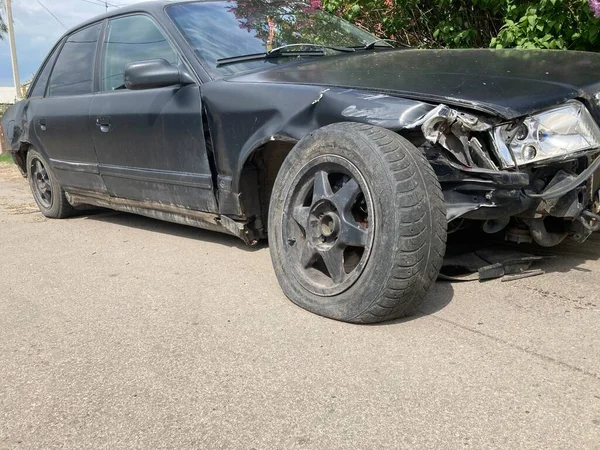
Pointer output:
x,y
372,45
279,53
330,47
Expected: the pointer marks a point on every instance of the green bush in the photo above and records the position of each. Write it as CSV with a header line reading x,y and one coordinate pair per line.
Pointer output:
x,y
552,24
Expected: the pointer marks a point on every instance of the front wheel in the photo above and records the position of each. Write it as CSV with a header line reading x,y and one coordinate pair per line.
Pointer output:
x,y
357,225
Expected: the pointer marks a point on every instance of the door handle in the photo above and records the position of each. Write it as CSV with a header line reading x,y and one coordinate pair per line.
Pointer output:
x,y
43,125
103,123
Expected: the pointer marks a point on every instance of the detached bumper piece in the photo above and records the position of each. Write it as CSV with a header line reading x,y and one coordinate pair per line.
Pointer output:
x,y
488,264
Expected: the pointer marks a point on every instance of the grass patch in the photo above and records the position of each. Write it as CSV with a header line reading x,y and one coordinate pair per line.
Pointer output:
x,y
5,158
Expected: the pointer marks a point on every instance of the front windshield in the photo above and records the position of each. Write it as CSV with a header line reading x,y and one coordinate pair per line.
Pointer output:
x,y
224,29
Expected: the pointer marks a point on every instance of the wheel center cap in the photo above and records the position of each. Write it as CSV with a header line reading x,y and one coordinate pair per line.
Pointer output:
x,y
330,224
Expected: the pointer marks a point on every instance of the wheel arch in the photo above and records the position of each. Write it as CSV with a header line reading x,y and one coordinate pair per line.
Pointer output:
x,y
20,156
257,177
261,164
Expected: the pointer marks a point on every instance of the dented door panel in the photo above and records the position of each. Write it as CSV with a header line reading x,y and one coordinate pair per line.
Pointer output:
x,y
151,146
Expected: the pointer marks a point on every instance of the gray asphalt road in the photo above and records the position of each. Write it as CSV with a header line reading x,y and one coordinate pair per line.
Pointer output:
x,y
118,331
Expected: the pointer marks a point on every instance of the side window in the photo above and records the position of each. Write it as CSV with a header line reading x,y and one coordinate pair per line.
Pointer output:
x,y
39,88
73,72
130,39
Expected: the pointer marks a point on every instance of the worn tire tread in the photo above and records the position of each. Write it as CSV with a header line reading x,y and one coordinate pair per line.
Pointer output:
x,y
394,302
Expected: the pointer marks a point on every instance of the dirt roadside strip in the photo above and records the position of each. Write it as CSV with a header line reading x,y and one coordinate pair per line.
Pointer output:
x,y
120,331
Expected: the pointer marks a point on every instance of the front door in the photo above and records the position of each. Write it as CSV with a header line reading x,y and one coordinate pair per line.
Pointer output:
x,y
150,143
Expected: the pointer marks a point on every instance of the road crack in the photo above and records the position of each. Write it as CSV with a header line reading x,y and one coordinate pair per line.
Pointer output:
x,y
520,348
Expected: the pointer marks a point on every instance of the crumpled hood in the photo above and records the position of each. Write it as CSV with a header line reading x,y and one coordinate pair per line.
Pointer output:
x,y
509,83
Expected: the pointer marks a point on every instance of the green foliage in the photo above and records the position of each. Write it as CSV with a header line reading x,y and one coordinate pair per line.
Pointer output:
x,y
551,24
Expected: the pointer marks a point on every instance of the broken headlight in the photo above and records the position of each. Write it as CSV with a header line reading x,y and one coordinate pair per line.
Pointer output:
x,y
553,134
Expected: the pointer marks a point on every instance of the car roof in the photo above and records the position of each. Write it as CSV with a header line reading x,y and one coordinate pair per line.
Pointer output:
x,y
149,6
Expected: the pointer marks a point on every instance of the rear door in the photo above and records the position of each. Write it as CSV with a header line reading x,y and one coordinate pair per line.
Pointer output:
x,y
61,117
150,143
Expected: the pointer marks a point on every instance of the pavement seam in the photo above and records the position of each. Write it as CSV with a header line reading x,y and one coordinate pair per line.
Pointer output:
x,y
518,347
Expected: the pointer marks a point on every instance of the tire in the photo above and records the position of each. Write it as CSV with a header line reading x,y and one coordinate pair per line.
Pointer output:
x,y
369,194
47,192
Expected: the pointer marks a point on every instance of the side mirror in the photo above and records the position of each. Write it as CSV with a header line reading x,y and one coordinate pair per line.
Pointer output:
x,y
154,73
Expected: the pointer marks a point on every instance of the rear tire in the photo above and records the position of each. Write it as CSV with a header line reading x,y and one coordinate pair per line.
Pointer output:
x,y
357,224
47,192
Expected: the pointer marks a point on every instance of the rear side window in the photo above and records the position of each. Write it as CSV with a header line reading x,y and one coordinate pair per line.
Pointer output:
x,y
130,39
39,88
73,72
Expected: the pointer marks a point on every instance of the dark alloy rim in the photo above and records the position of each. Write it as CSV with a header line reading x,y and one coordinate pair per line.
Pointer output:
x,y
40,182
328,226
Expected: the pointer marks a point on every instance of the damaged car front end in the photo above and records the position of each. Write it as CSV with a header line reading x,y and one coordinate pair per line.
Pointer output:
x,y
540,170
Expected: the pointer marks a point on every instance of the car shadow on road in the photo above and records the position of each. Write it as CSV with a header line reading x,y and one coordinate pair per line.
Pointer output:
x,y
170,228
563,259
567,257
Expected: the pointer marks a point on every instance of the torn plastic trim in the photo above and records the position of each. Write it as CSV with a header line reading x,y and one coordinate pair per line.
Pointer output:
x,y
480,203
432,123
451,129
477,193
454,172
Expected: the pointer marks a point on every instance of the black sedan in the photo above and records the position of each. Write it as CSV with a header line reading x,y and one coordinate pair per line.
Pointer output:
x,y
355,156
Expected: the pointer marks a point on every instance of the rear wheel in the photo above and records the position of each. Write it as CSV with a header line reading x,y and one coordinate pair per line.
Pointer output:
x,y
357,224
47,192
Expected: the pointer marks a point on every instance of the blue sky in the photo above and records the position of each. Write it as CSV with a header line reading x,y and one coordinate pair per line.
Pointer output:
x,y
37,31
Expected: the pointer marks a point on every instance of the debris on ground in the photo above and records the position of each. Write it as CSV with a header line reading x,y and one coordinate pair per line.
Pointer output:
x,y
488,264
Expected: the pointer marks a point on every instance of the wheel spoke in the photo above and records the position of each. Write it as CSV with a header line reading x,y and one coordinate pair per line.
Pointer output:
x,y
329,226
346,196
38,167
334,262
321,188
353,234
301,215
41,183
307,258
